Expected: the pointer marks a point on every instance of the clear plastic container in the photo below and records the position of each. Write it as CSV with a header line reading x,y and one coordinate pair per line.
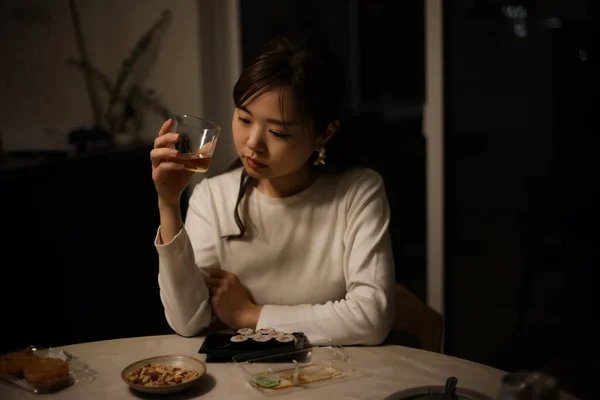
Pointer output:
x,y
79,372
297,370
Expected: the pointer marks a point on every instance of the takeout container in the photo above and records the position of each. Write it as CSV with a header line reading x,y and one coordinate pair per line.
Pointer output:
x,y
218,347
297,370
79,372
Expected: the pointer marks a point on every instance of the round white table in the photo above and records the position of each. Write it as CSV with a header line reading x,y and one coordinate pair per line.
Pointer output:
x,y
387,369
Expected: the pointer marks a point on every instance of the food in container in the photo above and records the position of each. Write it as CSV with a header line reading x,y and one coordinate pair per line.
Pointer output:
x,y
298,376
40,370
218,346
286,338
262,338
252,336
239,338
267,381
14,363
265,331
46,372
245,331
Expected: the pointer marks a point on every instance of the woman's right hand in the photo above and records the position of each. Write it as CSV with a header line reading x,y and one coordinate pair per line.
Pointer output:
x,y
170,178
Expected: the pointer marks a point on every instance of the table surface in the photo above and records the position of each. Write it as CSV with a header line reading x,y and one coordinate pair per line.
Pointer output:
x,y
383,371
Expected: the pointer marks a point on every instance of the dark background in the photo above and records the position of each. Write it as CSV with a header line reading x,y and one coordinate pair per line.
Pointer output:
x,y
381,44
521,187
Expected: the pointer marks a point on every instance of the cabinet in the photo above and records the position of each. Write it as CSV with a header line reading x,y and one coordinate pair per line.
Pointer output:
x,y
78,259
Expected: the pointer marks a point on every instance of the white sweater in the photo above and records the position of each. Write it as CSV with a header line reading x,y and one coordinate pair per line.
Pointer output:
x,y
319,261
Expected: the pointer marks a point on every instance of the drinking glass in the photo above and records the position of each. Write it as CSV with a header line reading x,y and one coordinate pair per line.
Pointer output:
x,y
197,142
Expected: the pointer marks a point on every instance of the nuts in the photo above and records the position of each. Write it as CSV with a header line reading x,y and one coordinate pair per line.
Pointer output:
x,y
156,375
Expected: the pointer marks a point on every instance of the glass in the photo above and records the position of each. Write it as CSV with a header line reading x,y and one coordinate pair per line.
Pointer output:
x,y
525,385
198,139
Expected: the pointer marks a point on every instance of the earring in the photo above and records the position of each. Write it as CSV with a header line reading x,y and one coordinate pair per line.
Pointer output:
x,y
321,158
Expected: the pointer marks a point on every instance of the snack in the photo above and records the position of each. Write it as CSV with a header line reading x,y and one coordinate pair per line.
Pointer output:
x,y
14,363
254,335
245,331
44,371
239,338
286,338
262,338
41,372
156,375
265,331
276,334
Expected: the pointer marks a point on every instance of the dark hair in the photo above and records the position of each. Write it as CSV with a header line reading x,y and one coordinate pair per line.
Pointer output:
x,y
310,67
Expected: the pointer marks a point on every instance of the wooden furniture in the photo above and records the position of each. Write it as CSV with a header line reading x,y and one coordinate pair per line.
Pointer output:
x,y
79,262
416,324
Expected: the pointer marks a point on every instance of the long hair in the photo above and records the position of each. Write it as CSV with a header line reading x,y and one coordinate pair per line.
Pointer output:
x,y
314,73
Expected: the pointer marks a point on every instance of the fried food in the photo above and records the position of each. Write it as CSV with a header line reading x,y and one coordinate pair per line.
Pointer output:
x,y
38,371
45,371
14,363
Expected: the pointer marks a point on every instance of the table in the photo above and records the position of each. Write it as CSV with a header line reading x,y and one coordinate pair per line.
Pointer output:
x,y
388,369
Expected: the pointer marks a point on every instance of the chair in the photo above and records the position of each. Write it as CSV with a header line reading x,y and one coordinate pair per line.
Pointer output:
x,y
415,324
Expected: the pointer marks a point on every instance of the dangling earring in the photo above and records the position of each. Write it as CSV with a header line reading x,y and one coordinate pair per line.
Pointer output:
x,y
321,158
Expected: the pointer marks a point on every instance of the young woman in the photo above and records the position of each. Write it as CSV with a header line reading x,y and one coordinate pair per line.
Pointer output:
x,y
288,240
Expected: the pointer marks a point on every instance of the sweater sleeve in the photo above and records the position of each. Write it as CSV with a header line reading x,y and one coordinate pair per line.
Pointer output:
x,y
183,293
365,315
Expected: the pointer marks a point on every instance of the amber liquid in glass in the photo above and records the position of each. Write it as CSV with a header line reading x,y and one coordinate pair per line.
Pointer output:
x,y
195,162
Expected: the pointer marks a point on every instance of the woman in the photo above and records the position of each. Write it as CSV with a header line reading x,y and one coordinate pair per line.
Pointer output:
x,y
286,240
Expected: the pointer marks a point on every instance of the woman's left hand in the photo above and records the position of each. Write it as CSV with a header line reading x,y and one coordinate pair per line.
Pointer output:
x,y
230,299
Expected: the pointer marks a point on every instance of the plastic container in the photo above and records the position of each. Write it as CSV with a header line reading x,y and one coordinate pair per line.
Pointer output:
x,y
218,347
79,372
297,370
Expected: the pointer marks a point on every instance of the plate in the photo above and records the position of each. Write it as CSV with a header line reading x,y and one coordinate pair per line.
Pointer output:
x,y
420,393
184,362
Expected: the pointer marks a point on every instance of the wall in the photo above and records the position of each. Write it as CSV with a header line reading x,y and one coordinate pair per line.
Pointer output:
x,y
42,98
219,23
433,130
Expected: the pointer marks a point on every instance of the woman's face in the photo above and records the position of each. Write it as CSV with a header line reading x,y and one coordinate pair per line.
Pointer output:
x,y
268,148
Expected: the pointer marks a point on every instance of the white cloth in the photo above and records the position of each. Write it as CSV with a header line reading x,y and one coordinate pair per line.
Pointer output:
x,y
372,372
319,261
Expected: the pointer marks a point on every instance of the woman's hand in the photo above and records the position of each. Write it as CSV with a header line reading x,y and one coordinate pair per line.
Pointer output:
x,y
230,300
170,178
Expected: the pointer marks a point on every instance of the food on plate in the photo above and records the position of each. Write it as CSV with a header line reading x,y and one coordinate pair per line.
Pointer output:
x,y
262,338
254,335
43,371
286,338
245,331
14,363
156,375
265,331
276,334
239,338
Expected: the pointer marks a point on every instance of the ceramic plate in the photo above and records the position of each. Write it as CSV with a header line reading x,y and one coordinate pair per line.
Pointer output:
x,y
184,362
420,393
